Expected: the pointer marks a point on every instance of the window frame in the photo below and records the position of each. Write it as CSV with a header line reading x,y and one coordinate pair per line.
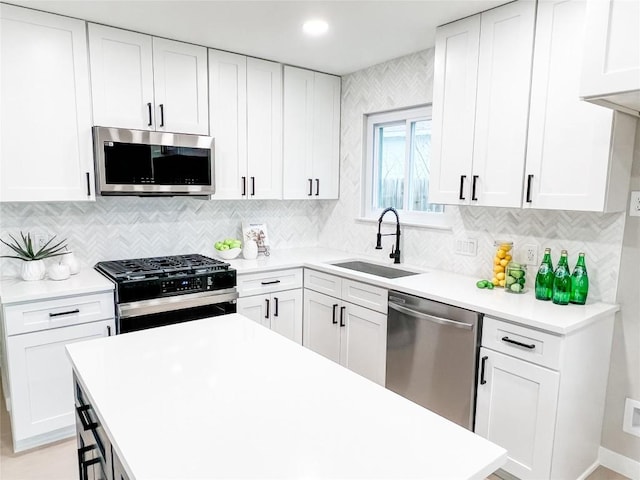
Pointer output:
x,y
407,116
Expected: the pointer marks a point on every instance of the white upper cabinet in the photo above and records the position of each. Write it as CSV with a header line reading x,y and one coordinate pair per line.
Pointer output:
x,y
311,134
45,113
147,83
245,103
481,106
611,55
576,150
454,107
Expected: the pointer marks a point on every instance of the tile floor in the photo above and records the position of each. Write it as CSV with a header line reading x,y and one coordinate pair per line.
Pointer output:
x,y
58,461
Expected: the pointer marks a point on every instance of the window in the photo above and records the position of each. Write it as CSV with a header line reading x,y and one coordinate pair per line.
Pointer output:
x,y
397,166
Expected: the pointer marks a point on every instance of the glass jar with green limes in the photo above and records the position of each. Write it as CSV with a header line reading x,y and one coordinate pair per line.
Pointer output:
x,y
515,277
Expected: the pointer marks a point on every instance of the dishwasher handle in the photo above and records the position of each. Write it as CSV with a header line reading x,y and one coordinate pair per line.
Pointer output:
x,y
431,318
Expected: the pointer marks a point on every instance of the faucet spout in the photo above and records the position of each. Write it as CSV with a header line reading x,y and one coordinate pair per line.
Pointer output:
x,y
395,252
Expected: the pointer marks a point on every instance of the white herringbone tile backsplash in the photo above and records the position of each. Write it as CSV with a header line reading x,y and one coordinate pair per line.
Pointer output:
x,y
128,227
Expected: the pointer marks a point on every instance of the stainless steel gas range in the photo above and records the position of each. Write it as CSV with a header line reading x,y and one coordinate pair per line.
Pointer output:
x,y
152,292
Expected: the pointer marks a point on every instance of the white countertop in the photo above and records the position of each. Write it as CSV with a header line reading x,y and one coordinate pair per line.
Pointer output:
x,y
227,398
16,290
451,288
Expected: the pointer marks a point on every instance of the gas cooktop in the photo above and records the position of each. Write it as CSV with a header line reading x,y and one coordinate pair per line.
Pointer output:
x,y
154,267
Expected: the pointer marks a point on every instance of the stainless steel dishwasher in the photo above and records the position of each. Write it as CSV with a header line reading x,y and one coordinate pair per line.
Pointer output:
x,y
432,355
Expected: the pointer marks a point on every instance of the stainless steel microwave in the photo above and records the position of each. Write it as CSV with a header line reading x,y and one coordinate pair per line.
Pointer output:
x,y
140,162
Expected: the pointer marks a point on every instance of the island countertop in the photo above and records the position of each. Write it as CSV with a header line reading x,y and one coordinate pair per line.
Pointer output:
x,y
225,397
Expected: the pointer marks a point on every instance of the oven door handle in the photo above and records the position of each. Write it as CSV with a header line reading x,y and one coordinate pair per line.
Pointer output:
x,y
177,302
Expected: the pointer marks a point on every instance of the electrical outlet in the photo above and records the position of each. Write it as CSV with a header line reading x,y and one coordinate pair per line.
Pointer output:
x,y
468,246
634,205
39,240
531,254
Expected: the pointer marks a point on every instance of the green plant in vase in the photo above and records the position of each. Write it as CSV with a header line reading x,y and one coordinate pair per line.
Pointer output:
x,y
24,249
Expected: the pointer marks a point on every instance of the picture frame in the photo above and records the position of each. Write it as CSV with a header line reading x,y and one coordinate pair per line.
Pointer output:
x,y
256,231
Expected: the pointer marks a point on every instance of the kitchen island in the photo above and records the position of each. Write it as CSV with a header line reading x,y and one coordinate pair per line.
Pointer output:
x,y
225,397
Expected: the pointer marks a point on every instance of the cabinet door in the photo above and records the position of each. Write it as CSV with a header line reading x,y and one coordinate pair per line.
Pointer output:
x,y
298,133
41,382
321,331
363,345
121,78
502,105
286,314
45,133
180,86
326,136
255,308
612,53
569,140
228,116
454,106
516,409
264,129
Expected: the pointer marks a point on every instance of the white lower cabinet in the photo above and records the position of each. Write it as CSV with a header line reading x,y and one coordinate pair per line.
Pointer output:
x,y
281,312
41,383
516,409
541,396
349,334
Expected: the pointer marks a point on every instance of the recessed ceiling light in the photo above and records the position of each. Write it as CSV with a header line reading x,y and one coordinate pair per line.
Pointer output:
x,y
315,27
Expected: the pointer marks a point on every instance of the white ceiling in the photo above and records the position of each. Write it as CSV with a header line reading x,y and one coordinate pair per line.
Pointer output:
x,y
361,33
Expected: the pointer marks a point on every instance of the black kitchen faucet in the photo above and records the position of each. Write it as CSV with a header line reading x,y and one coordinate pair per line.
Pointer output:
x,y
395,253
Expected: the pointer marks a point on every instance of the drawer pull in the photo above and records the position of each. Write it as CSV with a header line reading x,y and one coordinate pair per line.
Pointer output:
x,y
70,312
272,282
520,344
83,413
482,366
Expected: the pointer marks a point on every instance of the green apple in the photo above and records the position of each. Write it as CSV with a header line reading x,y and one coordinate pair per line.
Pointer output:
x,y
236,244
224,247
218,245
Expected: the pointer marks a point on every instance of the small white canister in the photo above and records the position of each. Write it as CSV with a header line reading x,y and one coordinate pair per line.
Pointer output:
x,y
250,250
59,271
71,261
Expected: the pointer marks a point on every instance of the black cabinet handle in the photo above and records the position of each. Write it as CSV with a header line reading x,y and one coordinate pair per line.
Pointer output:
x,y
267,314
244,186
83,414
88,185
150,118
253,186
272,282
161,115
462,178
310,186
108,330
85,464
484,361
520,344
473,188
333,317
59,314
342,309
275,308
317,187
529,178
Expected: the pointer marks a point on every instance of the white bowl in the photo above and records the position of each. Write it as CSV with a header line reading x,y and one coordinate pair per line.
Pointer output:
x,y
229,254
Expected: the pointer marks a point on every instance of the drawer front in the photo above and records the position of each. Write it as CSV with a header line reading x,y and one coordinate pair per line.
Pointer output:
x,y
323,283
267,282
531,345
59,312
365,295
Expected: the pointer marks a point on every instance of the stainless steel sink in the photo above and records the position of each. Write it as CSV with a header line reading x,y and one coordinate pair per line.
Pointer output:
x,y
375,269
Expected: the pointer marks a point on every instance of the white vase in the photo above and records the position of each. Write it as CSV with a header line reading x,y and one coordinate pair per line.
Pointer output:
x,y
33,270
71,261
250,250
59,271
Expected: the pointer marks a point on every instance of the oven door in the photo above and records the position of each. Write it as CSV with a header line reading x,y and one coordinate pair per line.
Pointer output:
x,y
159,312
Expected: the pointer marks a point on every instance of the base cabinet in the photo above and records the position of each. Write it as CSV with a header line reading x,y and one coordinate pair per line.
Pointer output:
x,y
541,396
281,312
342,331
516,409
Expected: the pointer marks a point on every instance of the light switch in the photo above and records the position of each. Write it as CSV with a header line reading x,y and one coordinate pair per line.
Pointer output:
x,y
634,205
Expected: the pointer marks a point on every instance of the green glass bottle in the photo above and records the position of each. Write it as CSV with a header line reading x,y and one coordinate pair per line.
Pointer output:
x,y
579,282
544,278
562,281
